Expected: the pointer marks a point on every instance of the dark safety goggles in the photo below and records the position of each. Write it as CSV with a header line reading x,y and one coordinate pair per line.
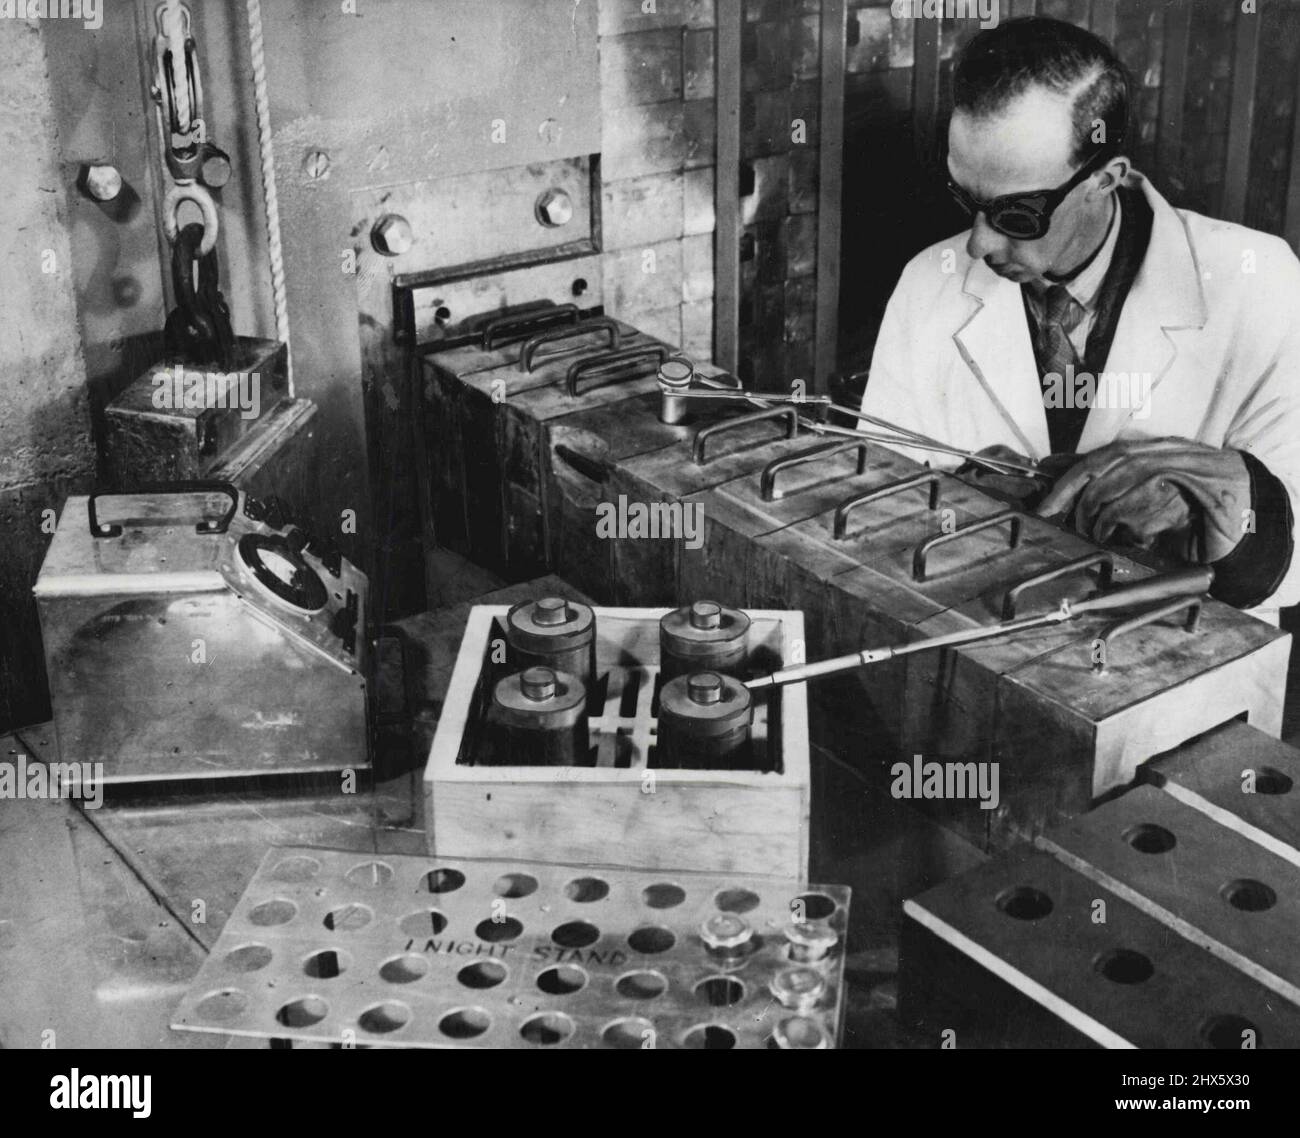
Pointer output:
x,y
1026,216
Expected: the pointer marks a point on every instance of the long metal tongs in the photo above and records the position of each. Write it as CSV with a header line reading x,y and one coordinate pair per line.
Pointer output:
x,y
897,436
1182,583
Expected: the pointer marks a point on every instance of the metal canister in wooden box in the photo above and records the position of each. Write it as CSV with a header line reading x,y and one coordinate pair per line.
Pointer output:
x,y
539,719
702,637
704,722
555,633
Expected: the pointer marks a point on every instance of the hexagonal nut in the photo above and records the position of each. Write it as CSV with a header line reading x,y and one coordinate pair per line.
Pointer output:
x,y
103,183
392,235
554,208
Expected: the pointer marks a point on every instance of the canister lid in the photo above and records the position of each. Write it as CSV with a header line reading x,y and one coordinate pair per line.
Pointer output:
x,y
710,702
702,627
726,931
676,372
549,624
799,987
800,1033
816,938
540,697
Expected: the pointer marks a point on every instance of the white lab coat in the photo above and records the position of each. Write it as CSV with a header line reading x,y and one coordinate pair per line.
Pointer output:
x,y
1213,317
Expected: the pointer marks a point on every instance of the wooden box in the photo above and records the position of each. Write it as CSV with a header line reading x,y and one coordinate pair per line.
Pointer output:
x,y
623,811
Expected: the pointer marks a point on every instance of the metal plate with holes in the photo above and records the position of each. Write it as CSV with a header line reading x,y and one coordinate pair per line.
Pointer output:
x,y
328,946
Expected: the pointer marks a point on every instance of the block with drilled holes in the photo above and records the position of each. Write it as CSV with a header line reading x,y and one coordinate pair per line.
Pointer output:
x,y
327,946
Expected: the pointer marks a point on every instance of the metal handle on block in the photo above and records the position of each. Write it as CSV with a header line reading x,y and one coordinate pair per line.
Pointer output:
x,y
767,480
599,324
654,354
1078,565
518,324
923,550
1115,631
210,526
926,478
789,414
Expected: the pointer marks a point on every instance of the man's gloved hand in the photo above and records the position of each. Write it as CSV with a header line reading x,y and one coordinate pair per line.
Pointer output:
x,y
1017,489
1141,489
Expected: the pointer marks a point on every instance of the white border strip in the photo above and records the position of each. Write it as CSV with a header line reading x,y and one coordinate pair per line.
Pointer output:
x,y
1080,1021
1231,821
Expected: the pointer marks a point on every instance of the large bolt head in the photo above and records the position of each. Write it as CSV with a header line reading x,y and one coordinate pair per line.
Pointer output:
x,y
554,208
392,235
103,183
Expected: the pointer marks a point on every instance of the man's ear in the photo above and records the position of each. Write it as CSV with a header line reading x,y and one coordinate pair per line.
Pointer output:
x,y
1109,178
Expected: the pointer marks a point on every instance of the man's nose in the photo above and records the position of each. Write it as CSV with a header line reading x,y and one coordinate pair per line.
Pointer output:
x,y
986,241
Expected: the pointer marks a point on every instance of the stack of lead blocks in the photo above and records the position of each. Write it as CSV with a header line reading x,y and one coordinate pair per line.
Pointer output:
x,y
1165,918
787,521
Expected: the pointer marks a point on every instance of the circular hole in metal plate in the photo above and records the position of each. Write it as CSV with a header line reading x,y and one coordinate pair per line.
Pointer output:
x,y
1148,838
561,980
379,1019
584,890
1124,966
651,939
369,874
222,1005
575,934
663,895
645,985
1270,781
1229,1033
709,1037
279,911
737,900
514,885
443,880
720,991
547,1029
814,906
629,1034
404,969
425,922
1024,903
1248,895
326,964
482,974
495,931
465,1023
248,958
302,1012
349,918
296,868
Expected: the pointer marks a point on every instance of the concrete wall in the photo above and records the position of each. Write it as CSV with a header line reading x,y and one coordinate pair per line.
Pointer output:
x,y
45,442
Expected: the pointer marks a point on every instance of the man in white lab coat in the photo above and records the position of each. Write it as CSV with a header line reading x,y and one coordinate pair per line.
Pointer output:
x,y
1152,353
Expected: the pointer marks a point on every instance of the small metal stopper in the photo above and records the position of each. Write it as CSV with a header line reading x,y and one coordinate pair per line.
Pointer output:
x,y
552,610
704,687
798,988
725,932
538,684
706,614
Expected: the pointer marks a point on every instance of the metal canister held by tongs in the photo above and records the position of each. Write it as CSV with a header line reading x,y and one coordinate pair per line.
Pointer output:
x,y
555,633
704,722
702,637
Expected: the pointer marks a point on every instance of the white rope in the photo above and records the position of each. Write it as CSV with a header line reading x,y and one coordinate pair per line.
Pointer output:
x,y
263,107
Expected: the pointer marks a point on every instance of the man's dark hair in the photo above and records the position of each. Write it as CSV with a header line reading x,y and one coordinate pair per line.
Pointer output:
x,y
1001,63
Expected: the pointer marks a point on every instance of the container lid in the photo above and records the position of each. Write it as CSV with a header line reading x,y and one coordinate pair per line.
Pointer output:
x,y
815,936
549,624
799,987
701,627
800,1033
712,703
540,697
726,931
156,550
